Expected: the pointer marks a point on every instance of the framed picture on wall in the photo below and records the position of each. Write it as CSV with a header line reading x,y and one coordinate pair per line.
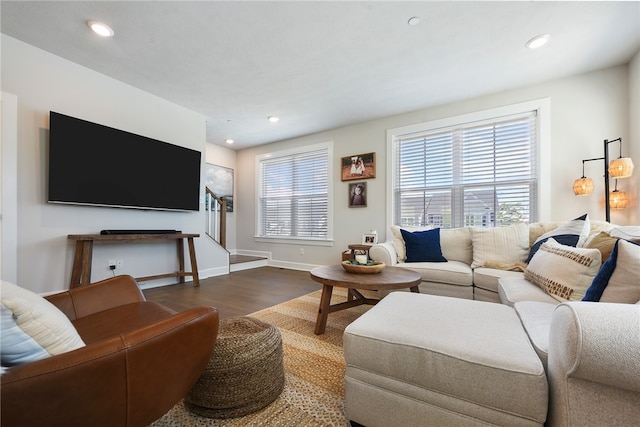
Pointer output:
x,y
220,180
358,166
358,195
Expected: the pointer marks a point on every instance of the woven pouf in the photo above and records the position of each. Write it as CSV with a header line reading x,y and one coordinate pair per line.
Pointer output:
x,y
245,372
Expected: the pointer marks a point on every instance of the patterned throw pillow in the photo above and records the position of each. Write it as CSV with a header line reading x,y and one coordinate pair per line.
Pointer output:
x,y
32,327
573,233
619,278
562,271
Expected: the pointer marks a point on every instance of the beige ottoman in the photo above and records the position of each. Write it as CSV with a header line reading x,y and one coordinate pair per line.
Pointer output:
x,y
422,360
245,372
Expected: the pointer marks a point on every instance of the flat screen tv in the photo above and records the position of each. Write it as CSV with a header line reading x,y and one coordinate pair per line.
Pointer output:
x,y
92,164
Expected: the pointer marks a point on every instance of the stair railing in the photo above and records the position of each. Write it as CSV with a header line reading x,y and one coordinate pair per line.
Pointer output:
x,y
216,208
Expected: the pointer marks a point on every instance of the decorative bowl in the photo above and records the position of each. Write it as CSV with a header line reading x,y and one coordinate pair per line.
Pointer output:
x,y
370,268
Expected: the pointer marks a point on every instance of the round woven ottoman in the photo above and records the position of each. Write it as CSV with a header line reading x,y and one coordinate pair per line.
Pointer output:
x,y
245,372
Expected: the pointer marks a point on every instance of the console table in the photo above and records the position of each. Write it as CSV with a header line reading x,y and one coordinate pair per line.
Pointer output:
x,y
81,271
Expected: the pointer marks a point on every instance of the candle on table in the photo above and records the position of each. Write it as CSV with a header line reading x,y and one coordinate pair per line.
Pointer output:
x,y
361,259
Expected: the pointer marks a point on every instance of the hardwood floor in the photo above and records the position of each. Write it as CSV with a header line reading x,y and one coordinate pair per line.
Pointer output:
x,y
239,293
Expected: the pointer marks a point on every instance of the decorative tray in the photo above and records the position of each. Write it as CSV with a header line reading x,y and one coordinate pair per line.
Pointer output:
x,y
370,267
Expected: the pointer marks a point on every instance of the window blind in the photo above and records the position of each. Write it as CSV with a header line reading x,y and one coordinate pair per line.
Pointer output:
x,y
473,174
294,195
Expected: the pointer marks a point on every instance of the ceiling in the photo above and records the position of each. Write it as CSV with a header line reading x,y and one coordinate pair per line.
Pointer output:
x,y
320,65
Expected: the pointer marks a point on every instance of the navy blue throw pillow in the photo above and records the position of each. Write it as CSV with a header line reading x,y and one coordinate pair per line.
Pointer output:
x,y
423,246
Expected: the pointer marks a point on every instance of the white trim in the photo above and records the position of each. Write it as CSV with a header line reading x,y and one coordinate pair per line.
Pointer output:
x,y
542,106
293,240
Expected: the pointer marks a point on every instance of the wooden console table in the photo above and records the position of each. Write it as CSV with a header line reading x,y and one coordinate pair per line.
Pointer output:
x,y
81,271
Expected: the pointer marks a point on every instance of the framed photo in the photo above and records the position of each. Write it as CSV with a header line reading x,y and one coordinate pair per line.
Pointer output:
x,y
220,180
369,239
358,166
358,195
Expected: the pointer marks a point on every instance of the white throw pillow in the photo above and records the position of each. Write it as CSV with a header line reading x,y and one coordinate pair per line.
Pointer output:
x,y
32,327
507,245
624,283
564,272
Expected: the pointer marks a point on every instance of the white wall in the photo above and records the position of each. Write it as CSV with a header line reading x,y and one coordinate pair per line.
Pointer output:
x,y
44,82
632,145
585,110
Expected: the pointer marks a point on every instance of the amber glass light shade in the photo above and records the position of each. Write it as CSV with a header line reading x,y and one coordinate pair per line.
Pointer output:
x,y
621,168
583,186
618,199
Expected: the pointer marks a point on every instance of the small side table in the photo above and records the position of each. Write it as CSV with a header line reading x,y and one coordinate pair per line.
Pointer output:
x,y
357,250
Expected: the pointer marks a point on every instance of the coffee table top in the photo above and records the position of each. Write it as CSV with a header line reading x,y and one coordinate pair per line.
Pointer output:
x,y
389,278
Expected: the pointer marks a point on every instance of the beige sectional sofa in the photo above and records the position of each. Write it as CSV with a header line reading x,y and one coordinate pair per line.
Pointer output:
x,y
465,275
531,360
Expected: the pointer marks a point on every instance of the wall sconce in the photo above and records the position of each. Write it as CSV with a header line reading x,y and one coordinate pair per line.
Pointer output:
x,y
619,168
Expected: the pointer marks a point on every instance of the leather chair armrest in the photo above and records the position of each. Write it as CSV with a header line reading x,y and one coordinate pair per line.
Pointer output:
x,y
99,296
129,380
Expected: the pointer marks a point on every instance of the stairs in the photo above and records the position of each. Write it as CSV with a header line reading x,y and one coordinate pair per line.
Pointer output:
x,y
244,262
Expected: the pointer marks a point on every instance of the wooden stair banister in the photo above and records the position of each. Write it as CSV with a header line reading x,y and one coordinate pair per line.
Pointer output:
x,y
219,205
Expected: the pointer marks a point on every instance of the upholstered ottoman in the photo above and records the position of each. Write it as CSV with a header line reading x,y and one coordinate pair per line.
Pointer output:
x,y
245,372
419,360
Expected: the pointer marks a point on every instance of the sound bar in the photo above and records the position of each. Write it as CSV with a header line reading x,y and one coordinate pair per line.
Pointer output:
x,y
108,232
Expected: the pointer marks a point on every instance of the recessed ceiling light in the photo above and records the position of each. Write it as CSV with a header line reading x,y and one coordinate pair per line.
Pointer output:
x,y
273,119
229,141
100,29
538,41
414,20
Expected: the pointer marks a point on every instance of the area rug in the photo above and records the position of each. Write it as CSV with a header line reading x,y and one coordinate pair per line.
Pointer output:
x,y
314,369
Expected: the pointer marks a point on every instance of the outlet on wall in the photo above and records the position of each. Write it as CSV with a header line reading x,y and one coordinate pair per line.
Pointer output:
x,y
119,264
301,251
111,264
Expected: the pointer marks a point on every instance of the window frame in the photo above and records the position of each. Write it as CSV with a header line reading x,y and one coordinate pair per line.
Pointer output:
x,y
328,240
541,106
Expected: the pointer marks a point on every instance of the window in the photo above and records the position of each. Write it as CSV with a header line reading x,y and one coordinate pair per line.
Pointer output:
x,y
294,194
479,173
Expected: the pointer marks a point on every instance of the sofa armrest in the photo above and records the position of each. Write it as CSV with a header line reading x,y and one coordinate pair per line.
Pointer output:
x,y
99,296
131,379
384,252
593,351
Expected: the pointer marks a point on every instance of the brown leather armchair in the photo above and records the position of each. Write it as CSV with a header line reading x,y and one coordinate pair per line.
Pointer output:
x,y
140,359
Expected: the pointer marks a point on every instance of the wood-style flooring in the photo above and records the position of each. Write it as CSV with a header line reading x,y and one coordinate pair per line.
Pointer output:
x,y
238,293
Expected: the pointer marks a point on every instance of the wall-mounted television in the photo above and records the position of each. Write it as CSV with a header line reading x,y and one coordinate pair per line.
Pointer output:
x,y
92,164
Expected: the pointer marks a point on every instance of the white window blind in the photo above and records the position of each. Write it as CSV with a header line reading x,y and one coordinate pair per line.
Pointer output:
x,y
293,199
478,174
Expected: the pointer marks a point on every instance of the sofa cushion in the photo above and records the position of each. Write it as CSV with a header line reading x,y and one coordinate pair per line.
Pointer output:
x,y
456,244
508,244
514,289
429,348
488,278
398,240
562,271
423,246
32,327
536,318
573,233
452,272
619,278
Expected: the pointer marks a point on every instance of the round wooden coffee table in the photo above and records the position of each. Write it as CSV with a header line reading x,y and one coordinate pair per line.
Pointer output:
x,y
335,275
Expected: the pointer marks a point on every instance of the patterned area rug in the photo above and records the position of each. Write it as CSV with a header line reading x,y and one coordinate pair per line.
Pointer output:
x,y
314,369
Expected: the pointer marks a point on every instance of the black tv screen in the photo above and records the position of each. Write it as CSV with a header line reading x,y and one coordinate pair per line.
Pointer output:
x,y
92,164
